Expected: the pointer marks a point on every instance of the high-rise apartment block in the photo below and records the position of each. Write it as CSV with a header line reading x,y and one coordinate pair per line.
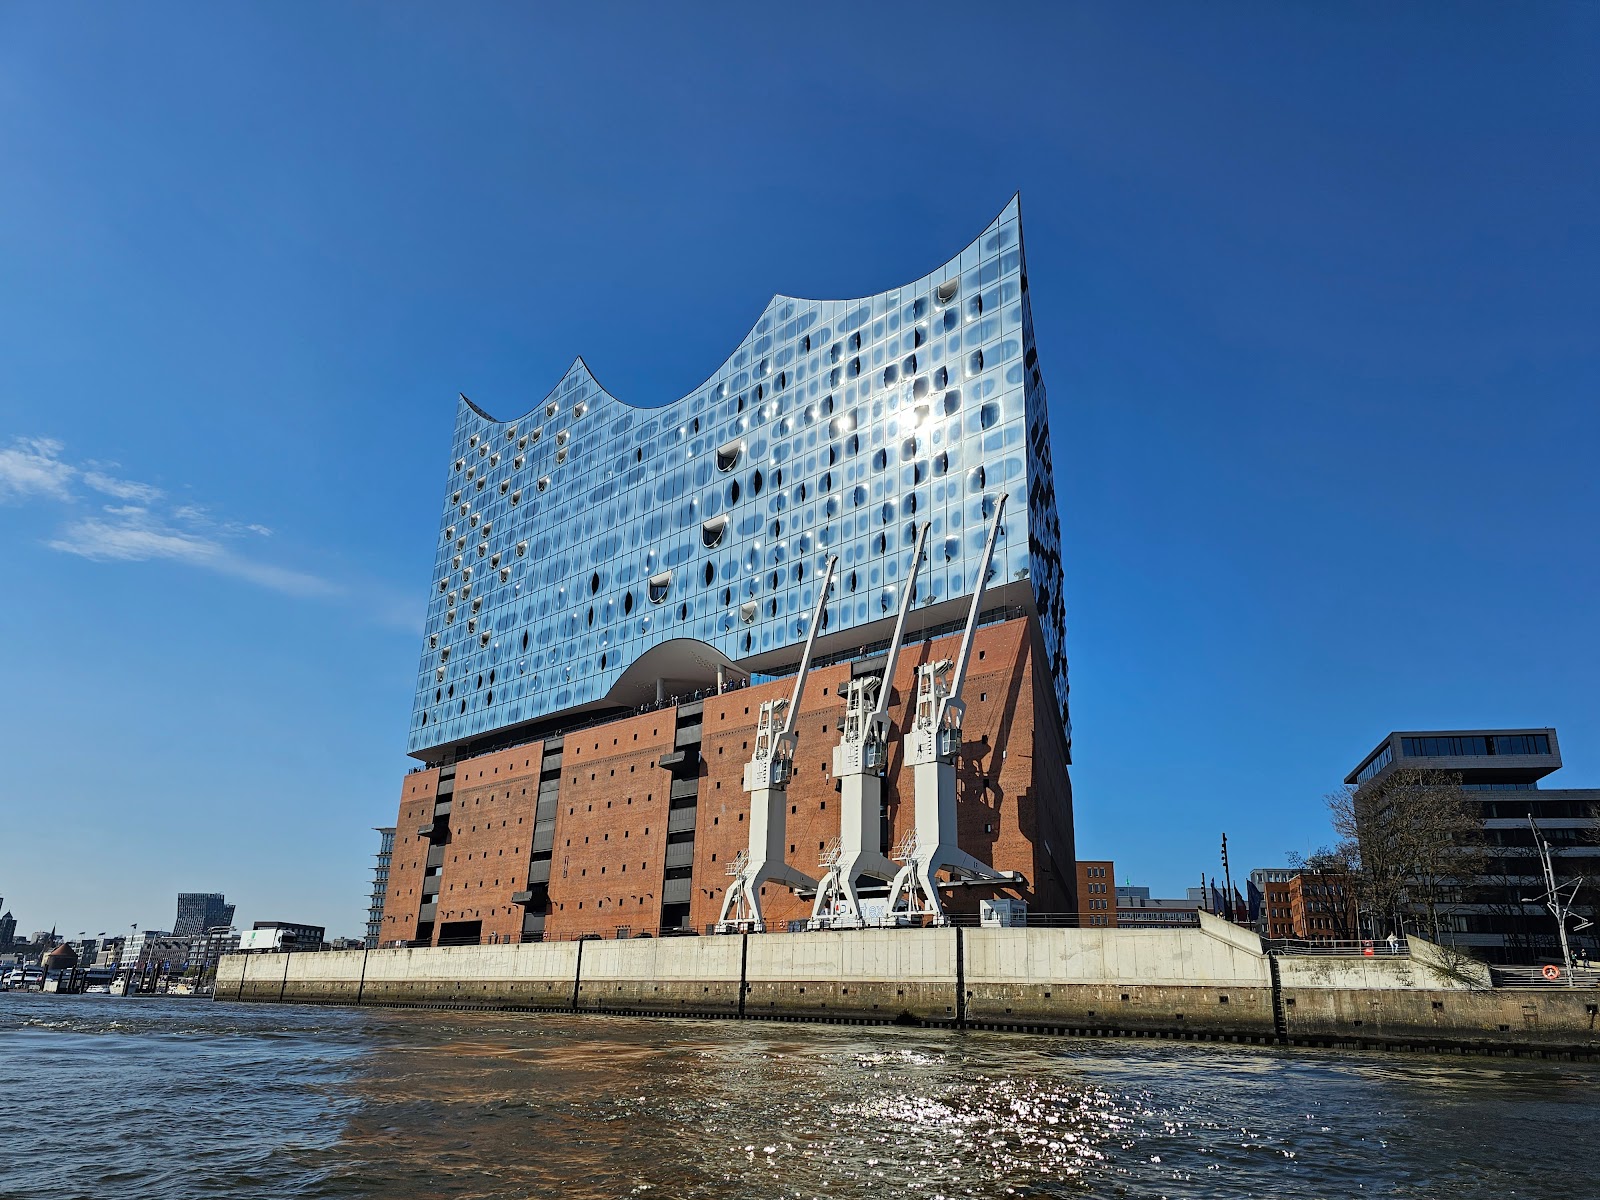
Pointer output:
x,y
200,911
653,666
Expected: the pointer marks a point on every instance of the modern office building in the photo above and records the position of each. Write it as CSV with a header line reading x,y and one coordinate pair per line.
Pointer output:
x,y
1499,916
623,597
200,911
1138,910
380,886
8,926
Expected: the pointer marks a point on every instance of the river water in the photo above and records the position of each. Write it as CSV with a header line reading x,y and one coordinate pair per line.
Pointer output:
x,y
107,1096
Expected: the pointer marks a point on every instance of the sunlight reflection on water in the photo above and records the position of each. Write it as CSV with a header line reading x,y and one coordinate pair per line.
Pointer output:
x,y
184,1098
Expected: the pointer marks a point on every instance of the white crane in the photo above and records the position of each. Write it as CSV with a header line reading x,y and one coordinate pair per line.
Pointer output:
x,y
766,778
858,765
931,748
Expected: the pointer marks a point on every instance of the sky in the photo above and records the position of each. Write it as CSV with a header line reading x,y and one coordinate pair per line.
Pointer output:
x,y
1316,293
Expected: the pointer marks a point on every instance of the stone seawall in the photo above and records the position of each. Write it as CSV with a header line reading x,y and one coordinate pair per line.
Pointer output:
x,y
1212,983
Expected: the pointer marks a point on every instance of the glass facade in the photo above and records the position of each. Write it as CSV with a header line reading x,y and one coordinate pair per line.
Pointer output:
x,y
1376,763
200,911
1473,746
579,537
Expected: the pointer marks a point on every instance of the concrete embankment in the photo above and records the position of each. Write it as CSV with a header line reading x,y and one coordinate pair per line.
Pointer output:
x,y
1211,983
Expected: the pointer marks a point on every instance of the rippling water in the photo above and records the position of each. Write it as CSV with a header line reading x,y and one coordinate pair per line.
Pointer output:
x,y
184,1098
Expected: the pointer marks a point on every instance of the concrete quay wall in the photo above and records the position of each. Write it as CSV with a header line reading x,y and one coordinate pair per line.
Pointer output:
x,y
1213,983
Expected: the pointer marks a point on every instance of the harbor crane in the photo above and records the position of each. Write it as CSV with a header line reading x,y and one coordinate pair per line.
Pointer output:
x,y
766,778
932,745
859,761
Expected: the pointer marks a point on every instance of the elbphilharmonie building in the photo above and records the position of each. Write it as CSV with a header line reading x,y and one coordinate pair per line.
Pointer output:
x,y
626,585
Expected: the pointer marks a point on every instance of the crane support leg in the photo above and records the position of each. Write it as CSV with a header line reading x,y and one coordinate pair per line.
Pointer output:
x,y
932,746
766,778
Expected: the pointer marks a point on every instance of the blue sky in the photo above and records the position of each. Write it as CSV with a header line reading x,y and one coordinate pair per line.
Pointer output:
x,y
1315,292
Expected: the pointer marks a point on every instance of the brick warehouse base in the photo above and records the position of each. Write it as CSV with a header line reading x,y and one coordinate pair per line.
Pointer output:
x,y
631,824
1209,984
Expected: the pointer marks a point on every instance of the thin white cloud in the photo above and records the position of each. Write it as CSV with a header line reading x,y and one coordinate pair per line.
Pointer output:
x,y
133,535
130,538
142,529
122,489
33,467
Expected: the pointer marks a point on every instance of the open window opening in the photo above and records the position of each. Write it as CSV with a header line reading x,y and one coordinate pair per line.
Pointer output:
x,y
711,532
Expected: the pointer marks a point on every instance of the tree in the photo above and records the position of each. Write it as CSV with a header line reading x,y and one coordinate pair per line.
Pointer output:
x,y
1414,839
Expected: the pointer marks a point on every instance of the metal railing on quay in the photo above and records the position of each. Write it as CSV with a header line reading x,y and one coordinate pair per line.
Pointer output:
x,y
1346,948
1536,977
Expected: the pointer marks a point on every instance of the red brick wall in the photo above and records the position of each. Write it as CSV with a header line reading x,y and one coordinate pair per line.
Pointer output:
x,y
728,726
1322,907
1097,893
491,835
1014,806
1050,802
1275,900
409,860
611,828
1008,767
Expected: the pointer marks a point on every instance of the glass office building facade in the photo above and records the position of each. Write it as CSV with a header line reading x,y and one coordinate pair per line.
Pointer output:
x,y
591,553
200,911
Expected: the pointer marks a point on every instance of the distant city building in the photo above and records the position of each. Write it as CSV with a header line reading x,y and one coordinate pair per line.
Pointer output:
x,y
208,947
8,927
1256,892
110,952
294,935
1097,893
1300,904
1276,918
380,886
1322,907
200,911
1135,908
147,948
1501,769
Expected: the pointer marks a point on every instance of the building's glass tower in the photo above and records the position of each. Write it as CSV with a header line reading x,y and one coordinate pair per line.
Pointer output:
x,y
589,548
